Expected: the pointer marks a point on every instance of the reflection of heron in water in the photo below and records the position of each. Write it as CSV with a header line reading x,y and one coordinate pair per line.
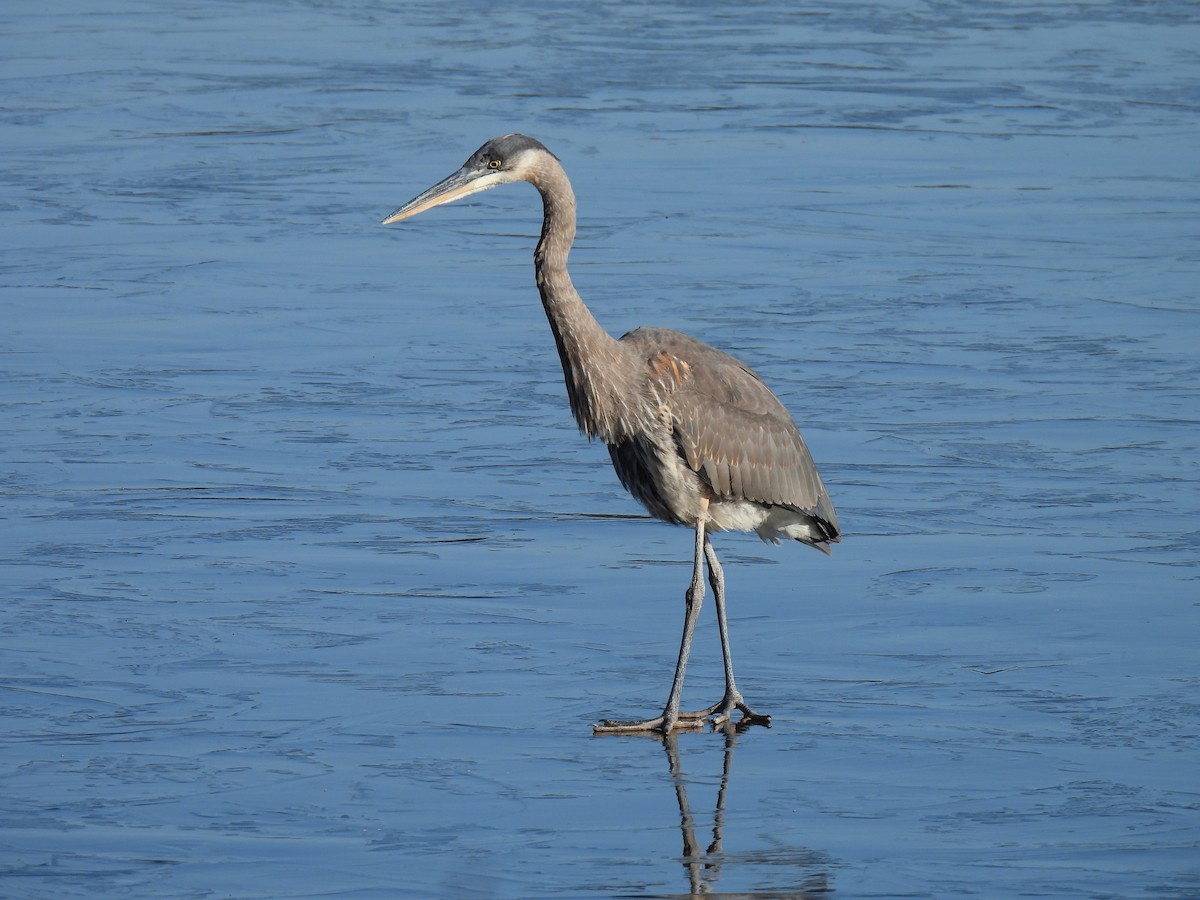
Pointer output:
x,y
704,865
694,434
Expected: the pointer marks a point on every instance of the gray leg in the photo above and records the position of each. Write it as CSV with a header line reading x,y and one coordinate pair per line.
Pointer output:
x,y
716,577
670,717
695,598
733,697
723,708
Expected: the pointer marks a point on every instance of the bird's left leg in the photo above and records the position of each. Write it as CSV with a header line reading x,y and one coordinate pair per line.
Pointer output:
x,y
723,709
671,716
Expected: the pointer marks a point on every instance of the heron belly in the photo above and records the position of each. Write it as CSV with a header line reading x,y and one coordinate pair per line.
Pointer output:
x,y
737,514
654,472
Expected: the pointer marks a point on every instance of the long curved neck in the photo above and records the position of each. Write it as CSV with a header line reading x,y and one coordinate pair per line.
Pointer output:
x,y
594,366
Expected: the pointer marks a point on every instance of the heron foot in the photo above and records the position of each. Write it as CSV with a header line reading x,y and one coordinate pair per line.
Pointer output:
x,y
644,726
720,713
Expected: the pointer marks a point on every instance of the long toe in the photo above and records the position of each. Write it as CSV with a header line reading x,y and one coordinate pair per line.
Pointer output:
x,y
750,717
644,726
702,714
721,712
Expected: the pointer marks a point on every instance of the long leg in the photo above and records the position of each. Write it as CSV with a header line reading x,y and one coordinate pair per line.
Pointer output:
x,y
733,697
670,717
721,710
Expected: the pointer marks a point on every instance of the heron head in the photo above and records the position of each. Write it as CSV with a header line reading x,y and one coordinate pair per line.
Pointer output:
x,y
512,157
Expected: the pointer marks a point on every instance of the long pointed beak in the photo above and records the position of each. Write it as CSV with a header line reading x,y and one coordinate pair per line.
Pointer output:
x,y
461,184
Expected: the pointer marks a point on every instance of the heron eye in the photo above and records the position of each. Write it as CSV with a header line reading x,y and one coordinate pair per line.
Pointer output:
x,y
494,164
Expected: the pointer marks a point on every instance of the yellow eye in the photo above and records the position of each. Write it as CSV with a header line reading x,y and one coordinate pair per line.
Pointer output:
x,y
493,163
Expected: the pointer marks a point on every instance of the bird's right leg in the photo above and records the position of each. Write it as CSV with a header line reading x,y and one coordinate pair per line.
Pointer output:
x,y
670,718
733,700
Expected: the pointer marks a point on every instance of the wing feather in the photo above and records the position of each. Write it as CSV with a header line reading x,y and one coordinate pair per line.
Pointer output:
x,y
729,427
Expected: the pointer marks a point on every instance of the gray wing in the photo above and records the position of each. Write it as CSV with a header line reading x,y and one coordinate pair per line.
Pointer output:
x,y
729,427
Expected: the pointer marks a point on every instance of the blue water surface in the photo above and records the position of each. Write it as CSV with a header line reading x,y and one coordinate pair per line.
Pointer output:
x,y
308,587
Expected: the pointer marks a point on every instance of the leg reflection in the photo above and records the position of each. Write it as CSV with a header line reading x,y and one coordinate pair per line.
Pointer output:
x,y
703,867
703,870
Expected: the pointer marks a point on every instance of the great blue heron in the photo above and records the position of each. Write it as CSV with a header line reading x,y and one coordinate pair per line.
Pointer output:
x,y
694,434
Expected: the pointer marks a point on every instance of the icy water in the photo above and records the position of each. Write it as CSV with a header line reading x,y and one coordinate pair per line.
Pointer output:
x,y
311,589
